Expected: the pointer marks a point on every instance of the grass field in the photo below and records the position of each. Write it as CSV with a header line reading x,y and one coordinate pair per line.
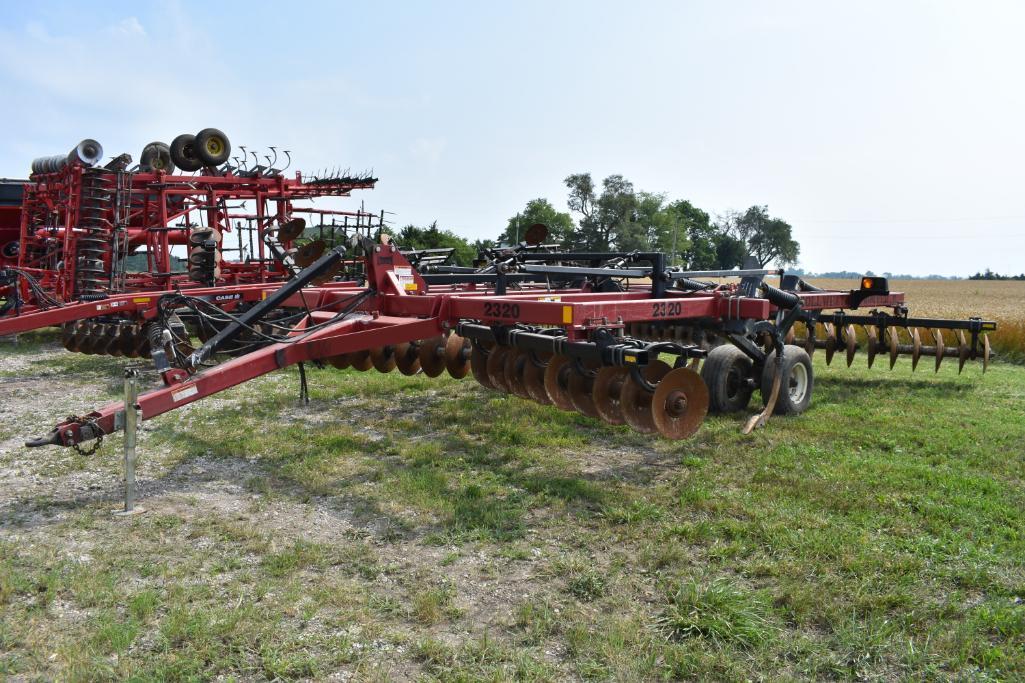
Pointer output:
x,y
407,528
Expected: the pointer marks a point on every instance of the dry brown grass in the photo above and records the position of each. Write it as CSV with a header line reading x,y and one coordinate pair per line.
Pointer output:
x,y
1003,301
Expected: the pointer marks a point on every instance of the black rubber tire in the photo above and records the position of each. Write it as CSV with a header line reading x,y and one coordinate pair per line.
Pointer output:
x,y
212,147
792,400
156,156
183,153
726,372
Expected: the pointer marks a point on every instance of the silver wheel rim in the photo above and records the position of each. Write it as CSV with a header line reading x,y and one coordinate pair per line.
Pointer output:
x,y
798,383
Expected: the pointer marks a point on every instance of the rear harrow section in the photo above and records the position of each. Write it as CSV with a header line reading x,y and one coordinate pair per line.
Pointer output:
x,y
655,357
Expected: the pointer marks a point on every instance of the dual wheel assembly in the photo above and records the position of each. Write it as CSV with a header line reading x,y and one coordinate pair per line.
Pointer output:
x,y
208,148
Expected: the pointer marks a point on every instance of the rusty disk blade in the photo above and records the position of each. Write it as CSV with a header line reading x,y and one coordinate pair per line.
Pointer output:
x,y
291,229
129,344
114,341
383,358
68,336
962,351
479,366
581,392
142,349
309,252
557,376
635,400
608,386
830,342
790,336
852,343
341,361
457,355
985,353
516,362
873,340
328,274
496,367
680,403
916,347
893,346
361,360
534,379
809,341
432,359
407,358
938,336
536,234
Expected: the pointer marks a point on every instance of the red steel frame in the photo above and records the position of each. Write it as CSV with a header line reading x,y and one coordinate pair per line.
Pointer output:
x,y
398,310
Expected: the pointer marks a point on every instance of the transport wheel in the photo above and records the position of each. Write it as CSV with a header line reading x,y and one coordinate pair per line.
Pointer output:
x,y
156,156
516,362
581,391
183,153
557,376
636,400
383,358
361,360
212,147
457,356
726,372
680,404
606,391
407,359
534,378
798,381
496,367
432,358
341,361
479,366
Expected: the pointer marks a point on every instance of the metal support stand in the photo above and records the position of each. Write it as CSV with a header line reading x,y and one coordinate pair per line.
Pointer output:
x,y
131,435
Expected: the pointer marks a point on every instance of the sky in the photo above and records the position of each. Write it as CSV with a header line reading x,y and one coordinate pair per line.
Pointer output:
x,y
891,135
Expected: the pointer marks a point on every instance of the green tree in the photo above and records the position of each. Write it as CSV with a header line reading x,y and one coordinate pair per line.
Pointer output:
x,y
620,218
695,236
730,251
433,237
560,224
767,239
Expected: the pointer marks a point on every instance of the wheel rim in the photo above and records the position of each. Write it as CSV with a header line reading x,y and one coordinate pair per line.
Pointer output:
x,y
214,146
734,382
798,385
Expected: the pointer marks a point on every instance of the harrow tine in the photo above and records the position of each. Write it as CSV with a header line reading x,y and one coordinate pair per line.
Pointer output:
x,y
830,342
852,344
938,336
962,351
873,340
985,352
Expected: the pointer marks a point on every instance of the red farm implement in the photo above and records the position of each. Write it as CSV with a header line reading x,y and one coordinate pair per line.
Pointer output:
x,y
76,237
619,337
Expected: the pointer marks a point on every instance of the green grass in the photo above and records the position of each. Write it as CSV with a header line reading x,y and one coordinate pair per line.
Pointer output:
x,y
407,528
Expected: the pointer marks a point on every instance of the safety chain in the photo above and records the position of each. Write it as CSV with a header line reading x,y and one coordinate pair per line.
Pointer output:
x,y
91,421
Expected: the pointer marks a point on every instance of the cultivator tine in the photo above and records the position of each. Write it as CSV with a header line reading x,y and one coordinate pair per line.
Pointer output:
x,y
938,336
870,333
963,351
852,343
830,342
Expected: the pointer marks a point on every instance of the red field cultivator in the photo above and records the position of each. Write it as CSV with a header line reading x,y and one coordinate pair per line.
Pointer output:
x,y
76,235
619,337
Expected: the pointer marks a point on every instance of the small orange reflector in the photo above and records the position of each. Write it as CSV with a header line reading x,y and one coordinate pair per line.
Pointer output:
x,y
567,314
866,283
141,300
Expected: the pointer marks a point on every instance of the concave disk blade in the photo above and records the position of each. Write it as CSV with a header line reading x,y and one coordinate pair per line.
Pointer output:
x,y
457,356
341,361
916,348
830,341
852,343
635,400
557,382
515,365
432,359
534,379
309,252
407,358
479,366
361,360
680,404
496,367
383,358
291,229
581,390
606,392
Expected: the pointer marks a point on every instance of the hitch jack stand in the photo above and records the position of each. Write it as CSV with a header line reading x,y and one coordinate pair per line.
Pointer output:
x,y
131,418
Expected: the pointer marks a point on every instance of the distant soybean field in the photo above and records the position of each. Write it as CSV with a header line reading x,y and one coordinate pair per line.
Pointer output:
x,y
1003,301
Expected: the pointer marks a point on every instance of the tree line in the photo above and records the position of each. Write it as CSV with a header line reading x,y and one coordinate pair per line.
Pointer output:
x,y
615,216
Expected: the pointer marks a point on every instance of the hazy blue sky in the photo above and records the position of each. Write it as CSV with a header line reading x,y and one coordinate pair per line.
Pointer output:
x,y
890,134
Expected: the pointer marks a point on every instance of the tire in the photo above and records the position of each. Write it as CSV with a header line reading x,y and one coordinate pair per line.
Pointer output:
x,y
795,392
726,372
212,147
156,156
183,153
